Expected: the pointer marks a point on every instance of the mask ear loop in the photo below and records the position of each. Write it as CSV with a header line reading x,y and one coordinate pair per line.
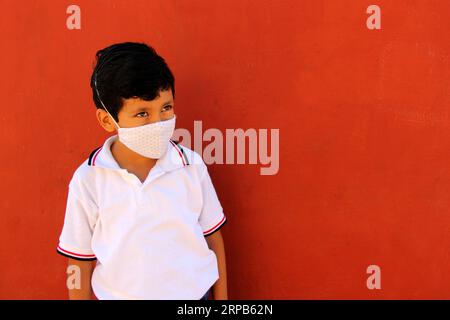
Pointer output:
x,y
98,96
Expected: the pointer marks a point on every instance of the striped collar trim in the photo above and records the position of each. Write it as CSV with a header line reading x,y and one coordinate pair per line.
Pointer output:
x,y
181,152
174,158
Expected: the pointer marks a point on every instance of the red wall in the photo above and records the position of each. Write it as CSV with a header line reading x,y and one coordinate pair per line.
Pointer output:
x,y
364,136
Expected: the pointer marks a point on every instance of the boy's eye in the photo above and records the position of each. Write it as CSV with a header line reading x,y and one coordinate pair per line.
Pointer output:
x,y
144,113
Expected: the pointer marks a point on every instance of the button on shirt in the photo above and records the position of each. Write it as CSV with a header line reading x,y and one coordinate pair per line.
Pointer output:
x,y
148,237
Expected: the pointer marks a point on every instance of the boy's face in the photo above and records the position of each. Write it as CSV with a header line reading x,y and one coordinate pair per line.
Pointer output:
x,y
137,112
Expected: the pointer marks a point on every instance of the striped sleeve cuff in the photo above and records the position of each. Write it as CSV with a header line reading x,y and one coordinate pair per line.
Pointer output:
x,y
74,255
216,227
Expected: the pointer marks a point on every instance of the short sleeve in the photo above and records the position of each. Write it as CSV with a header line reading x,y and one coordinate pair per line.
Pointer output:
x,y
79,222
212,217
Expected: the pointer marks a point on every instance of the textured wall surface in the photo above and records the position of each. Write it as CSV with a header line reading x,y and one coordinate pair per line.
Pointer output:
x,y
363,118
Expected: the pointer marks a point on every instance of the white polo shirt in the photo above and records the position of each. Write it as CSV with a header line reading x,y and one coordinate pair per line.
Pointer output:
x,y
148,238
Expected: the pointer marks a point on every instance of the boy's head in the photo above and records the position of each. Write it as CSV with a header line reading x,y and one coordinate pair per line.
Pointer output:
x,y
134,83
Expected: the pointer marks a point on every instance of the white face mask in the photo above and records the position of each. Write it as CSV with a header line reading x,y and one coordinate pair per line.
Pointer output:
x,y
149,140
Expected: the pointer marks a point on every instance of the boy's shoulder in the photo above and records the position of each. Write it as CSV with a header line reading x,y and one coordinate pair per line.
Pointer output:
x,y
192,160
82,172
190,157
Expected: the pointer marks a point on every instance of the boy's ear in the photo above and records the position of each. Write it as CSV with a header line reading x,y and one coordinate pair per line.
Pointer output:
x,y
105,120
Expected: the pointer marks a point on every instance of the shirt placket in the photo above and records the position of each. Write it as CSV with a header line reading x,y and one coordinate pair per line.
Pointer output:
x,y
139,188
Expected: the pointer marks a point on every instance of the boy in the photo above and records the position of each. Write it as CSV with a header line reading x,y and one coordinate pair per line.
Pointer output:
x,y
142,207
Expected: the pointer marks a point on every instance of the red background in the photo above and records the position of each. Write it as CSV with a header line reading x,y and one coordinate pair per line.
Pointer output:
x,y
364,127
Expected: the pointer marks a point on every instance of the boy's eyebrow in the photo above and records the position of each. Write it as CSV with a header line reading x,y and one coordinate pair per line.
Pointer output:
x,y
138,109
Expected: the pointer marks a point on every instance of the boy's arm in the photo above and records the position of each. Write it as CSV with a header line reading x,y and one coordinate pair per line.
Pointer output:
x,y
85,290
216,244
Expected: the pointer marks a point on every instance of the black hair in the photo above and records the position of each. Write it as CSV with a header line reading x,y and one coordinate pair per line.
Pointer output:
x,y
129,70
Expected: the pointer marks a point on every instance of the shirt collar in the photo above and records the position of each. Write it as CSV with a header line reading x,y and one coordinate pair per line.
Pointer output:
x,y
174,158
